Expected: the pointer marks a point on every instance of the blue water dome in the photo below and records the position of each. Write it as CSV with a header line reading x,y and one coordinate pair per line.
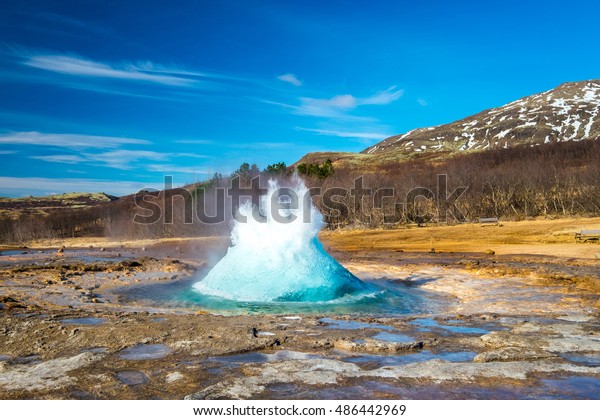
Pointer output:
x,y
280,258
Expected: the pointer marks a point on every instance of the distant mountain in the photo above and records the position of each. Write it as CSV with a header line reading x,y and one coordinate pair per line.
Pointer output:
x,y
566,113
42,205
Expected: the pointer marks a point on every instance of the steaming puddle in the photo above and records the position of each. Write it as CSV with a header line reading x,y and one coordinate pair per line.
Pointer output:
x,y
83,321
586,359
572,387
95,350
158,320
219,365
240,359
27,315
13,252
132,377
89,258
342,324
371,361
393,338
145,352
429,325
42,256
31,359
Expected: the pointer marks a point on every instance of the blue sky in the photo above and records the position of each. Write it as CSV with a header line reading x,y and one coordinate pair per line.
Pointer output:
x,y
111,95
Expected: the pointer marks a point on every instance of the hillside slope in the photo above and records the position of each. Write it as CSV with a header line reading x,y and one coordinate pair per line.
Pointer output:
x,y
41,205
566,113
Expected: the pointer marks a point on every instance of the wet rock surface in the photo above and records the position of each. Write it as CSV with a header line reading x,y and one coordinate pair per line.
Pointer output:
x,y
67,332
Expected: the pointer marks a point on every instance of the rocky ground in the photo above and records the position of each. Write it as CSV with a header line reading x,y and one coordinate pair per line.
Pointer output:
x,y
496,326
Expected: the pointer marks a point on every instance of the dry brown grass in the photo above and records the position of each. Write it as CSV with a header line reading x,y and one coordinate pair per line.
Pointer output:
x,y
534,237
538,237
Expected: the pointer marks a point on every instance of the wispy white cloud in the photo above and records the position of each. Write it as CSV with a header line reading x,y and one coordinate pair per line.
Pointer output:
x,y
67,140
79,66
347,134
80,72
277,103
88,149
7,152
290,78
422,102
324,108
166,169
383,97
69,159
123,159
152,67
136,79
327,107
42,186
338,106
117,159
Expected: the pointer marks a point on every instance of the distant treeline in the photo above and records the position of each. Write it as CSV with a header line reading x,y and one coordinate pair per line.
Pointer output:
x,y
555,179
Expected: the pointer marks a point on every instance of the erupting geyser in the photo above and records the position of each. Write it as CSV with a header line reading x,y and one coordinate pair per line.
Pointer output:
x,y
280,258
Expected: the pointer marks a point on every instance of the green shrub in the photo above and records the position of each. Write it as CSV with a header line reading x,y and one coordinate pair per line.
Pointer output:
x,y
311,169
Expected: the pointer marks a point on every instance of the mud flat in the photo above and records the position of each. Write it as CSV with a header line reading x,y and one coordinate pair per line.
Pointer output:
x,y
505,325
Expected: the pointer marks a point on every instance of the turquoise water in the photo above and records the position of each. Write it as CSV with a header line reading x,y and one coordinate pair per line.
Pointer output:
x,y
380,302
303,273
389,299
